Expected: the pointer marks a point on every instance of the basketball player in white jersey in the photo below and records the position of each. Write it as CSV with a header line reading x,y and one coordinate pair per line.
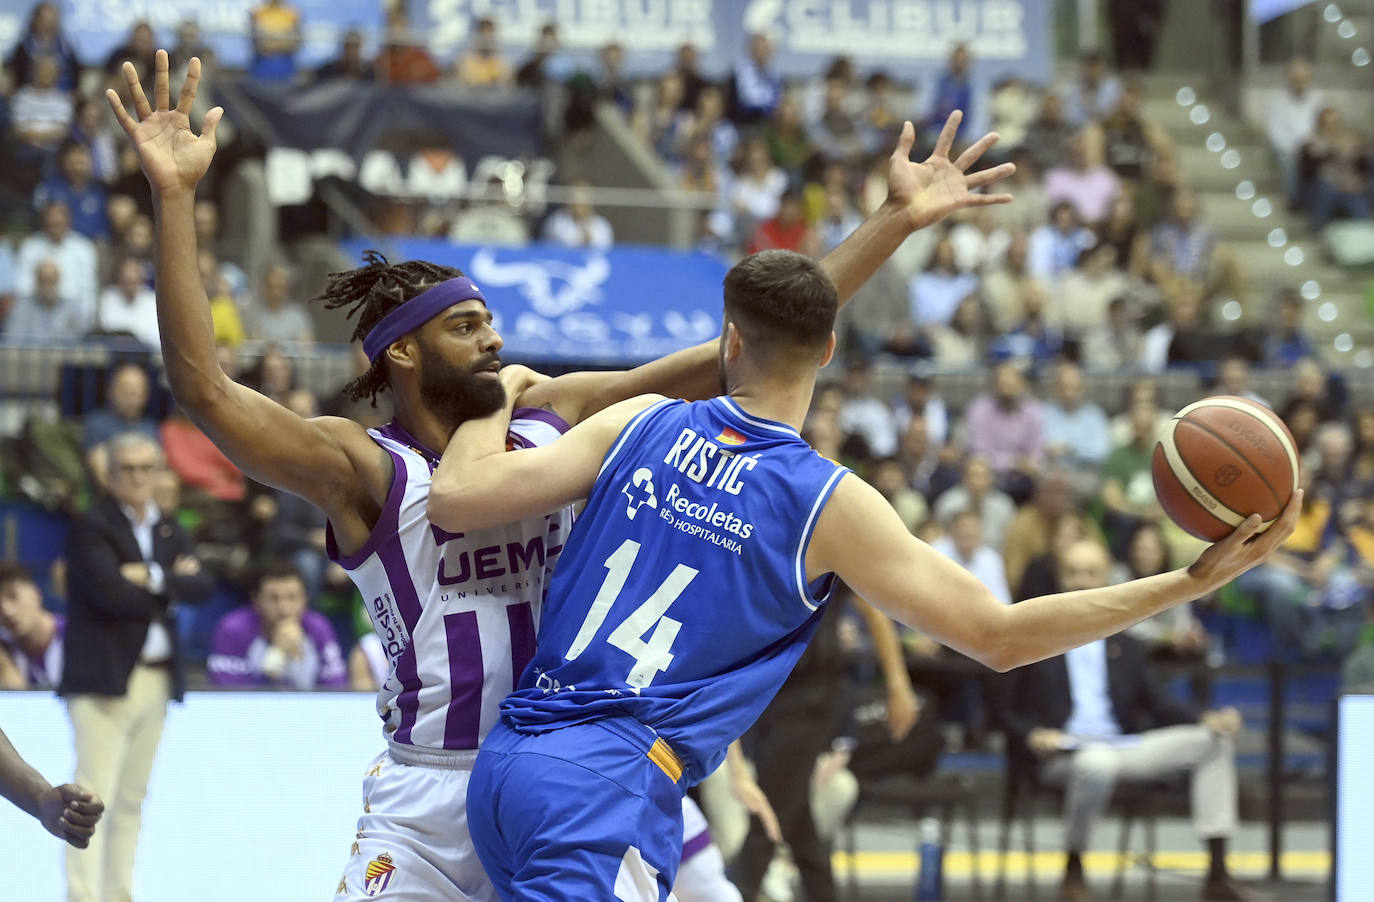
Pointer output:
x,y
456,613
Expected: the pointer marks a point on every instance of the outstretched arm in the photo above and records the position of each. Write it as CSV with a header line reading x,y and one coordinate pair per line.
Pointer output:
x,y
319,459
475,487
862,540
67,812
919,195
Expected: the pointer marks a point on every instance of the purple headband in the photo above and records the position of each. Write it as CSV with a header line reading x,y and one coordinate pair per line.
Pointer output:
x,y
417,311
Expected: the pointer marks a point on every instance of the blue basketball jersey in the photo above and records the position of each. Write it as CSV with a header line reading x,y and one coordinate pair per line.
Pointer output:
x,y
681,598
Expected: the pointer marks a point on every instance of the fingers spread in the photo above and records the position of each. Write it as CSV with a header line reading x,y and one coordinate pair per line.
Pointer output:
x,y
212,118
988,176
988,200
188,87
905,141
946,139
141,105
970,156
162,81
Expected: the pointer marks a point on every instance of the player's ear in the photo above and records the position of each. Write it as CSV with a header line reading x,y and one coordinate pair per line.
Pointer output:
x,y
404,352
829,351
733,341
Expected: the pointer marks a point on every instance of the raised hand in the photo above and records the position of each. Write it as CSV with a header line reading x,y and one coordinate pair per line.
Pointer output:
x,y
174,158
932,190
1244,548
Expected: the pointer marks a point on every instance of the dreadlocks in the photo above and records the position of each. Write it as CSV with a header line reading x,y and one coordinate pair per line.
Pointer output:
x,y
372,291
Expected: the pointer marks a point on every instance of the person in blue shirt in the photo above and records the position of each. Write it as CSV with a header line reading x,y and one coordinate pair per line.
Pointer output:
x,y
75,185
697,574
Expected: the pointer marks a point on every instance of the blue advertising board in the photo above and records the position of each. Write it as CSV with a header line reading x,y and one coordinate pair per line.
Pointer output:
x,y
910,38
624,306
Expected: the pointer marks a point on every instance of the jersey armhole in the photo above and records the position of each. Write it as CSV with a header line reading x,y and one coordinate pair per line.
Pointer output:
x,y
630,427
387,522
815,594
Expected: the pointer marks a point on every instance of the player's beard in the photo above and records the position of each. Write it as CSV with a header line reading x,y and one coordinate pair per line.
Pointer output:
x,y
456,394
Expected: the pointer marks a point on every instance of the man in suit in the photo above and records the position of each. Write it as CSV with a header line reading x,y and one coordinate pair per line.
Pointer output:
x,y
1092,717
128,568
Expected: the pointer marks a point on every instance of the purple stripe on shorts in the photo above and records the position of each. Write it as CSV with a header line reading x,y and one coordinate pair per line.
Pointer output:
x,y
696,844
464,720
541,415
521,617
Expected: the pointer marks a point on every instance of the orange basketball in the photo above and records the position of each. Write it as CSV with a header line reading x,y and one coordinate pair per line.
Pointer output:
x,y
1220,460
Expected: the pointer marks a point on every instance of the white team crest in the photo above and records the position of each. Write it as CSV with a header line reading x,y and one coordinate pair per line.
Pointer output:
x,y
552,287
378,875
640,491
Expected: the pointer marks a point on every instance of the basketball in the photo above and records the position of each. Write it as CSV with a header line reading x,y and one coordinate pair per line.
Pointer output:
x,y
1221,459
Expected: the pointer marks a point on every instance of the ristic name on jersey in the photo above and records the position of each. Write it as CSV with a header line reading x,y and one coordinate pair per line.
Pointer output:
x,y
695,457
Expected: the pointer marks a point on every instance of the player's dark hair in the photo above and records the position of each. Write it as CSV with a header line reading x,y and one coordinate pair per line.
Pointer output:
x,y
275,570
372,291
13,573
782,302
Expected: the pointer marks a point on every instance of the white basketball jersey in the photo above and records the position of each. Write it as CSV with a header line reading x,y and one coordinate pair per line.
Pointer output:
x,y
456,613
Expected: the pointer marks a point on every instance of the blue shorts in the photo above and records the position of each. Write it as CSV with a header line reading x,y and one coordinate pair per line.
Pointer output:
x,y
591,811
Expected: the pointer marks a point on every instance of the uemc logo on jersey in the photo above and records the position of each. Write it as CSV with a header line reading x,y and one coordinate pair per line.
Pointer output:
x,y
509,559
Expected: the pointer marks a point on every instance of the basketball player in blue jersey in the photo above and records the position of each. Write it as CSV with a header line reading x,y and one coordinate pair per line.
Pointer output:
x,y
456,610
711,539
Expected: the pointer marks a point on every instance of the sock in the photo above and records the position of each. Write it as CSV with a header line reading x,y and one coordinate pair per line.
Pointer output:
x,y
1073,866
1216,847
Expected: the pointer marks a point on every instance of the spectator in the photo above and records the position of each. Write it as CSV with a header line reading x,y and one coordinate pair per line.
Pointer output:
x,y
43,39
1233,378
1048,136
1013,105
578,224
276,317
979,241
966,545
611,84
1183,248
544,64
1003,283
1083,294
656,123
1312,384
1154,195
836,131
788,230
707,121
1036,338
1291,122
1174,633
1085,183
1334,161
1032,208
481,65
1054,249
963,342
1122,233
1136,25
977,493
349,64
125,410
1006,426
1114,344
92,130
139,48
73,254
921,460
129,306
1075,428
41,112
30,635
1127,140
757,193
686,65
1092,96
75,186
1128,491
198,463
882,116
889,478
189,44
1362,458
1029,534
404,59
48,315
276,29
1143,393
1285,341
953,91
840,220
277,642
129,567
755,87
289,527
1041,575
224,309
1080,720
274,375
864,413
937,291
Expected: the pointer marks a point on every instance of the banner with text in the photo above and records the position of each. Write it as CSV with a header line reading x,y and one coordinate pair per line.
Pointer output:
x,y
619,307
910,38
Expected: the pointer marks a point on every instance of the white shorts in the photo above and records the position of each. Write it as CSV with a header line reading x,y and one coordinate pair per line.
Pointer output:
x,y
413,843
701,876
